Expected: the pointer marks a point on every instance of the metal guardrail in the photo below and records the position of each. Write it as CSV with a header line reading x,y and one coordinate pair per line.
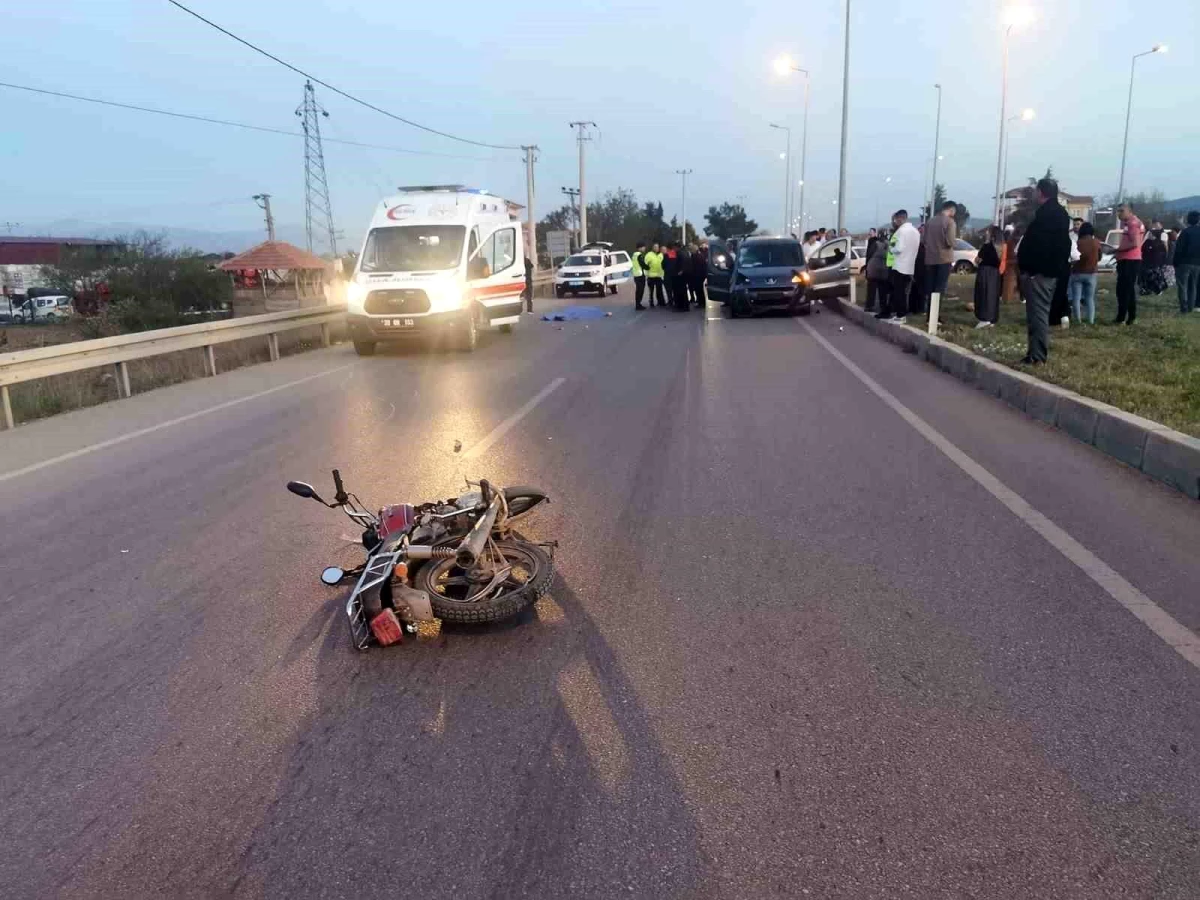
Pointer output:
x,y
42,362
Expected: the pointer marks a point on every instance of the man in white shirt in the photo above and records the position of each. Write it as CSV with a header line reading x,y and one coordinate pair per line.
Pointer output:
x,y
902,260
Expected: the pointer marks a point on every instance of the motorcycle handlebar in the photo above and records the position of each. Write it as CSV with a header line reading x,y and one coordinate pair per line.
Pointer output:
x,y
339,491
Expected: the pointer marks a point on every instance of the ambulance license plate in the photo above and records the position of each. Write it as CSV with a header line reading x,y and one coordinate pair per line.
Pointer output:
x,y
397,323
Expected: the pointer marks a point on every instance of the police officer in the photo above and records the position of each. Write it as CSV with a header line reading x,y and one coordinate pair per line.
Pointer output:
x,y
653,260
639,275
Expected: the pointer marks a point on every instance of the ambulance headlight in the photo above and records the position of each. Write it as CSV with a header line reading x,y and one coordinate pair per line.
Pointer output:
x,y
356,296
445,297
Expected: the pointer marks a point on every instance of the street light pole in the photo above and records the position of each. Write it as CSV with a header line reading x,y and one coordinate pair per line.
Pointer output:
x,y
1003,113
1025,116
1157,48
937,134
783,65
531,226
787,176
683,214
841,205
582,136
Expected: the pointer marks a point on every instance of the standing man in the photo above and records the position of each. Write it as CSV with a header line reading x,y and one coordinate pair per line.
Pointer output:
x,y
639,275
1129,263
699,273
528,286
902,260
1187,264
940,234
1043,258
653,266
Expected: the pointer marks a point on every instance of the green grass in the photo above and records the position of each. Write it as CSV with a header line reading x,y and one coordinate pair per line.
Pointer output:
x,y
1151,369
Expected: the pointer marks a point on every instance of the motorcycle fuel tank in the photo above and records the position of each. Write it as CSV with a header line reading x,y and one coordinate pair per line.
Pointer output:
x,y
395,520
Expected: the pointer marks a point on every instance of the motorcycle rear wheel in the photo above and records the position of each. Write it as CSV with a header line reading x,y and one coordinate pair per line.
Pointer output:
x,y
450,589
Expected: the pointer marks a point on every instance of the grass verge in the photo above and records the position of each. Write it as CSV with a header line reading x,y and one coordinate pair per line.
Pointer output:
x,y
1151,368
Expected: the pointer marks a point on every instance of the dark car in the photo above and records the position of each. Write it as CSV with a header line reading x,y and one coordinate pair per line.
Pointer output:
x,y
756,274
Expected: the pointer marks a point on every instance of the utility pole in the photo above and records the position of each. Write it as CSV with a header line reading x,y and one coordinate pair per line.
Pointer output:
x,y
316,185
841,200
531,244
573,193
937,134
582,136
683,214
1158,48
264,203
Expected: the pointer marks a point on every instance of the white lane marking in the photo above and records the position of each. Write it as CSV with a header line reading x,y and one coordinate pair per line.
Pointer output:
x,y
504,427
141,432
1178,636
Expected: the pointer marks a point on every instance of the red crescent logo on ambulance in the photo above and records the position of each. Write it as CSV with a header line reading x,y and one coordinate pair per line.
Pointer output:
x,y
400,212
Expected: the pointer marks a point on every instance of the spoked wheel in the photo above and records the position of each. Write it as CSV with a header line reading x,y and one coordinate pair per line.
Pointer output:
x,y
510,575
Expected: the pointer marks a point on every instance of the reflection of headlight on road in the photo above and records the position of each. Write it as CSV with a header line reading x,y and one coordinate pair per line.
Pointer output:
x,y
356,296
445,297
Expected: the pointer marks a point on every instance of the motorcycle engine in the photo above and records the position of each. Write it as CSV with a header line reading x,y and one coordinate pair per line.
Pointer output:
x,y
430,530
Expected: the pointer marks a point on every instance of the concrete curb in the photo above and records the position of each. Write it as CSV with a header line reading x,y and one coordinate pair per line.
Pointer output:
x,y
1158,451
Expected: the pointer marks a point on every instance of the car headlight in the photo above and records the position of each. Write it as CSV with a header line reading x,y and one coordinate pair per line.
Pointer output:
x,y
356,296
801,278
445,297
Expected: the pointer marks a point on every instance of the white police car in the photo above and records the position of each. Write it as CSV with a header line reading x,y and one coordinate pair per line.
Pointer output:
x,y
596,268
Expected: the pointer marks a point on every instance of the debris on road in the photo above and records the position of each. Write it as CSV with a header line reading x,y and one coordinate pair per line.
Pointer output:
x,y
575,314
457,446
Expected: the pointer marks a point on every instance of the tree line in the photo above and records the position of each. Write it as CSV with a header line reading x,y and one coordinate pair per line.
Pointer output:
x,y
619,217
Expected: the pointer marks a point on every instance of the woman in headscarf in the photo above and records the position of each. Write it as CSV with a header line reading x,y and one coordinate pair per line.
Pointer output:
x,y
1155,276
990,265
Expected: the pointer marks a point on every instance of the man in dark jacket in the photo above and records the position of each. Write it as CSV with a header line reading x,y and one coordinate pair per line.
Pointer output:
x,y
675,277
699,273
1043,258
1187,264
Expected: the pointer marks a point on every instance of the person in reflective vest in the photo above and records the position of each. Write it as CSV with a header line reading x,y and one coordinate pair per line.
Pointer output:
x,y
639,275
653,263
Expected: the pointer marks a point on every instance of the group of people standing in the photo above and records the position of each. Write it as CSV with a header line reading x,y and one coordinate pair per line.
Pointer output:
x,y
903,270
678,271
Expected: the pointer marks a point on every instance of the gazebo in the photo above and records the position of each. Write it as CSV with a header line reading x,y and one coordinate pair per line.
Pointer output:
x,y
285,263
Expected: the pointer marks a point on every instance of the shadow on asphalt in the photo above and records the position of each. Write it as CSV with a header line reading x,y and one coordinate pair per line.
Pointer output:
x,y
506,761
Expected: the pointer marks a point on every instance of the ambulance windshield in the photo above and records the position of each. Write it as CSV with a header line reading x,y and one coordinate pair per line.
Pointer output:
x,y
413,248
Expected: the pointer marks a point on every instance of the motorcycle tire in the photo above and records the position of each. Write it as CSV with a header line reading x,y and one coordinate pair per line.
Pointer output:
x,y
441,579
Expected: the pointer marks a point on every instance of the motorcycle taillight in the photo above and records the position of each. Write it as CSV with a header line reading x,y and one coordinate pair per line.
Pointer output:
x,y
386,628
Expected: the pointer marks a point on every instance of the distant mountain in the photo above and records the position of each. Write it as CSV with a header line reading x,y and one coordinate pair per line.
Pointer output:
x,y
1184,204
192,238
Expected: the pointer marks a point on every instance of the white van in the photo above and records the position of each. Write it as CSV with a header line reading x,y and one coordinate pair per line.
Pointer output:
x,y
440,260
595,267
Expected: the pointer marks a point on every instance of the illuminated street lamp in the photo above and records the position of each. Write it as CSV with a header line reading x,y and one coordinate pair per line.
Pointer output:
x,y
784,66
1157,48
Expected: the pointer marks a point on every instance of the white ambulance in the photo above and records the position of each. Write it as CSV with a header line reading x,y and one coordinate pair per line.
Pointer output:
x,y
445,261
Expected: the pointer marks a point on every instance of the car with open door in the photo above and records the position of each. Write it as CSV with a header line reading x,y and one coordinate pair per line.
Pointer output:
x,y
762,274
829,268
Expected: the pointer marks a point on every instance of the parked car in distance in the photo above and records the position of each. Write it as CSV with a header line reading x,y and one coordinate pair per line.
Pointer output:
x,y
759,274
46,308
964,257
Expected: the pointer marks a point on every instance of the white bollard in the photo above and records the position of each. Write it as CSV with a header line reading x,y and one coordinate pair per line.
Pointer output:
x,y
935,301
853,290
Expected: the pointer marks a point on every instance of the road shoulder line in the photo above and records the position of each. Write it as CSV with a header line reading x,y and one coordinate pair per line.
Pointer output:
x,y
1180,638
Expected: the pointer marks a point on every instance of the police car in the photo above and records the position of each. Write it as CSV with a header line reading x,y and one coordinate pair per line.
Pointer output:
x,y
596,268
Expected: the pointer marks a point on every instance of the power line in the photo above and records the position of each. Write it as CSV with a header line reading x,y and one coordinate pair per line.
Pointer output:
x,y
211,121
339,91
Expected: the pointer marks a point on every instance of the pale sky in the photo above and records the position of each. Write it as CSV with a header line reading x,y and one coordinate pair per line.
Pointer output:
x,y
686,86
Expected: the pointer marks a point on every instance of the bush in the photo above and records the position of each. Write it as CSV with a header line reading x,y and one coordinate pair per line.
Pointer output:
x,y
147,285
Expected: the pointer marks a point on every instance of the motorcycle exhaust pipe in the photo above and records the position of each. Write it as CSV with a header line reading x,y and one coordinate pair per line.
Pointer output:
x,y
472,545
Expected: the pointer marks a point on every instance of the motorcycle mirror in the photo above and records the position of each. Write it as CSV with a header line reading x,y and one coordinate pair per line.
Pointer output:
x,y
300,489
332,575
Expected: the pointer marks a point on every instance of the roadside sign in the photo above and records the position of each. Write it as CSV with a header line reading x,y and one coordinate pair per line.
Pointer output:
x,y
558,244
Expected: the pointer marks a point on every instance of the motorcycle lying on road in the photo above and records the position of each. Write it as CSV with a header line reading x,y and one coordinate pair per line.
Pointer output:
x,y
457,560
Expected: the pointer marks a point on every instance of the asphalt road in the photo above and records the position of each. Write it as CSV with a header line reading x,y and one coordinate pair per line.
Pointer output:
x,y
793,650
